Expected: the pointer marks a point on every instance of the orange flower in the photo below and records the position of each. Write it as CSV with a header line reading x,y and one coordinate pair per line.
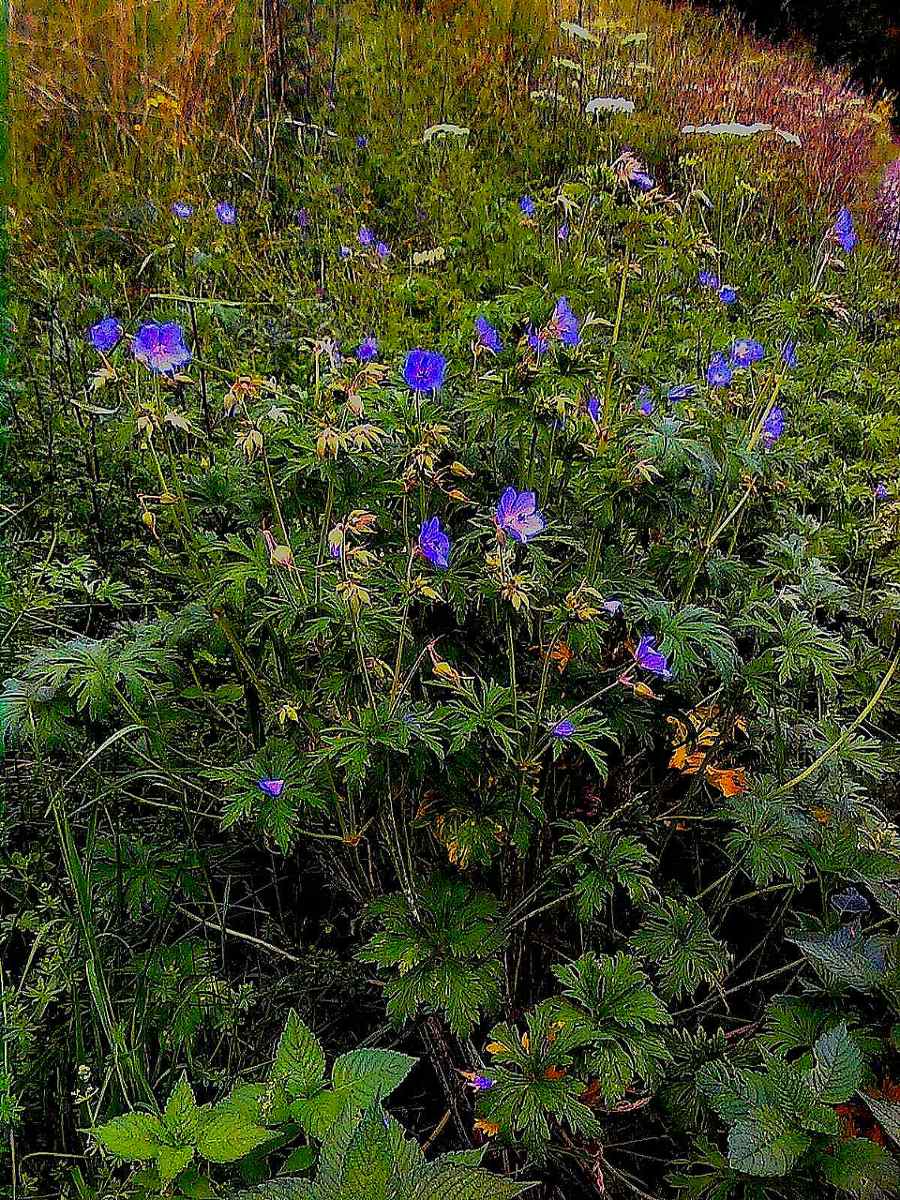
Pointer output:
x,y
488,1128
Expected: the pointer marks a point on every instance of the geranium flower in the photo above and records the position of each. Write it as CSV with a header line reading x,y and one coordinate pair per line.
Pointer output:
x,y
563,729
745,352
226,213
105,335
487,336
344,252
161,348
718,373
727,294
517,514
434,543
271,787
642,181
593,408
880,492
424,370
182,210
526,204
773,426
843,230
647,656
365,236
708,279
367,349
565,324
361,141
382,249
562,234
680,391
302,218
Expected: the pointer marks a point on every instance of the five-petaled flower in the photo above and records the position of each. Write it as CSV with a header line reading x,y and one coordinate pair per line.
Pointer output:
x,y
366,236
226,213
367,349
433,543
518,515
526,204
880,492
161,348
745,352
182,210
647,656
424,370
486,336
709,279
718,373
727,294
105,335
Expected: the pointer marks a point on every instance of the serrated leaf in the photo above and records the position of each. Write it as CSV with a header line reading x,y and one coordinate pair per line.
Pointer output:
x,y
182,1114
135,1137
371,1075
171,1161
886,1113
300,1159
764,1144
299,1060
838,1066
228,1136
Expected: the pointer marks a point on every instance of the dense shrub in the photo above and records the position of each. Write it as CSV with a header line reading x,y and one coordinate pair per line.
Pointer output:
x,y
450,634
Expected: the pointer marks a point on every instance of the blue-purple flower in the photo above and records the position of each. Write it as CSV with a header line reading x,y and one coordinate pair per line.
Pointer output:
x,y
105,335
486,336
680,391
727,294
593,408
526,204
271,787
718,373
226,213
647,656
645,400
562,234
789,353
345,252
773,426
182,210
565,324
642,181
424,370
843,230
366,236
518,515
301,216
880,492
382,249
563,729
745,352
361,141
434,543
709,279
161,348
367,349
481,1083
613,607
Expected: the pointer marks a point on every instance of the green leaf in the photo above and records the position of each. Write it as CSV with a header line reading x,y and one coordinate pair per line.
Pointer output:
x,y
368,1162
134,1136
370,1075
182,1115
451,1181
228,1136
171,1161
851,1166
764,1144
838,1066
299,1060
300,1159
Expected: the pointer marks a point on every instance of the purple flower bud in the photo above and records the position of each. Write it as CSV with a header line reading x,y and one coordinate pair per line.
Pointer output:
x,y
562,234
843,230
345,252
880,492
361,141
593,408
526,204
537,343
563,729
271,787
789,353
226,213
367,349
564,324
382,249
773,427
718,373
481,1083
647,656
366,236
